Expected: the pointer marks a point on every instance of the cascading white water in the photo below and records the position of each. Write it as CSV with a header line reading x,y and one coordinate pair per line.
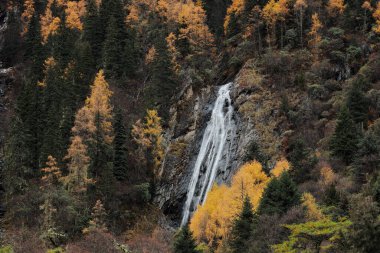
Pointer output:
x,y
214,152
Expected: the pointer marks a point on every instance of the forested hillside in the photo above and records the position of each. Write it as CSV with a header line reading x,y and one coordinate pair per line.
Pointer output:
x,y
108,112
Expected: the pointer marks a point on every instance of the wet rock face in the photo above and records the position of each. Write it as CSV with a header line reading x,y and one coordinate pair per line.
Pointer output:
x,y
188,122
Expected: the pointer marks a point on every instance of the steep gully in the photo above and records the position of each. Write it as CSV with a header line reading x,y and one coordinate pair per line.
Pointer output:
x,y
214,154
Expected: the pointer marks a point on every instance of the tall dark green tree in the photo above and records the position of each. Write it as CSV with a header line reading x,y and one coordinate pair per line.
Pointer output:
x,y
162,85
301,160
18,159
120,164
280,195
184,241
113,58
344,142
358,104
242,228
364,233
34,50
91,30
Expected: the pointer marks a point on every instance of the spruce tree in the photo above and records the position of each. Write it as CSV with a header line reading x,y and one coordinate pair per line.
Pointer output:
x,y
113,51
357,104
344,142
34,50
162,85
280,195
120,165
242,228
18,159
91,30
184,241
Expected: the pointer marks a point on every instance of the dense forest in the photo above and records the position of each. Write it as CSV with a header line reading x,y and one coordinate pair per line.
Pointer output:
x,y
103,105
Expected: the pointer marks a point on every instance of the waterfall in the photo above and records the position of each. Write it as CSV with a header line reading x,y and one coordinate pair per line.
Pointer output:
x,y
214,153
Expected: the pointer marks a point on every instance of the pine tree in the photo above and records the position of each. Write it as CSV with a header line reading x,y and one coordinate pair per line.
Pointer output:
x,y
280,195
242,228
184,241
91,30
162,85
113,51
120,165
18,159
357,103
34,49
344,142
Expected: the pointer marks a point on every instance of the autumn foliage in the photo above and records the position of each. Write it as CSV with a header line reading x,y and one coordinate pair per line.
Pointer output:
x,y
213,220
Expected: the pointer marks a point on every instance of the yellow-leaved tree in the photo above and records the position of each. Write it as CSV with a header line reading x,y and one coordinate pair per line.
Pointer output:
x,y
75,10
49,23
314,34
148,136
27,15
313,212
212,221
335,7
376,16
92,136
77,180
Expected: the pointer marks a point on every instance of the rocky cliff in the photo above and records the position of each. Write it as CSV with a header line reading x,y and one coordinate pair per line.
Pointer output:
x,y
189,117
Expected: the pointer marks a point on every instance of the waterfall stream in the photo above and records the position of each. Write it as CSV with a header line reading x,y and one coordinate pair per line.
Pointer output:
x,y
214,153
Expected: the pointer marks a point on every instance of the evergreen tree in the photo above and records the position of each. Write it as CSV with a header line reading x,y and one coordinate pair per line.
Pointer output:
x,y
242,228
18,159
92,32
131,53
280,195
301,160
113,59
34,50
357,104
120,165
184,241
344,142
162,84
364,234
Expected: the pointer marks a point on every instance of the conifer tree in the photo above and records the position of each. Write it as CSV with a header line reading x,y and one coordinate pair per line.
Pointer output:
x,y
280,195
344,142
242,228
34,49
98,217
113,51
77,180
357,103
184,241
18,159
162,84
91,30
120,165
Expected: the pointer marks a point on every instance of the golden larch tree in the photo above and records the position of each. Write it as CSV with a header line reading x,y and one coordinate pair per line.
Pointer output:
x,y
376,16
213,220
74,12
315,33
78,163
335,7
99,105
311,207
27,15
148,136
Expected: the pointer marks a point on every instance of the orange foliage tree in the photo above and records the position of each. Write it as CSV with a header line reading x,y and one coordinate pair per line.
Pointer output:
x,y
376,16
212,221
